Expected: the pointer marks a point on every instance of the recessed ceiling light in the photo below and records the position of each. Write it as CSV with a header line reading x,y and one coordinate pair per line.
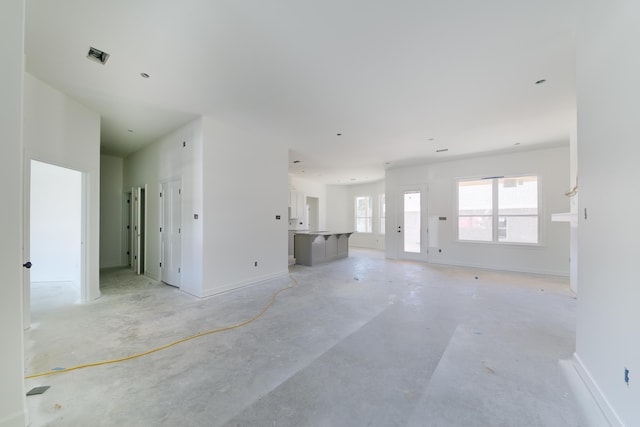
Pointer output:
x,y
541,81
442,150
339,134
296,161
97,55
517,143
145,75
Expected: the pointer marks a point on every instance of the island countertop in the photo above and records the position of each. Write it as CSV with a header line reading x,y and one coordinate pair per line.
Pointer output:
x,y
314,247
324,232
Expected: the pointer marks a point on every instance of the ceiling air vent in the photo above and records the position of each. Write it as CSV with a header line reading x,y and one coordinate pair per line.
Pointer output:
x,y
97,55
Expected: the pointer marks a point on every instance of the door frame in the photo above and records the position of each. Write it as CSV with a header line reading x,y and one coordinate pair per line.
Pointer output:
x,y
399,229
85,249
138,229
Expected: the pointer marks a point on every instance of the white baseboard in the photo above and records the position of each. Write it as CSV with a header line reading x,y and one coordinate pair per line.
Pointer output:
x,y
503,268
242,284
18,419
600,399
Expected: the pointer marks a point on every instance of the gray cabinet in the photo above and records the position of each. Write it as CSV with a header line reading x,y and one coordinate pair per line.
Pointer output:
x,y
314,248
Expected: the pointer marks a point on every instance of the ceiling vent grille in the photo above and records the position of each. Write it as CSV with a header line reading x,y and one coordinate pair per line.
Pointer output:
x,y
97,55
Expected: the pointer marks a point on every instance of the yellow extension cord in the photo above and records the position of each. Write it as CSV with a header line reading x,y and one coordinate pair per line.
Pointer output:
x,y
171,344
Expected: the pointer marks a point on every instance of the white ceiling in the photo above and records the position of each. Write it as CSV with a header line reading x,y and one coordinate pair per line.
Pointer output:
x,y
388,75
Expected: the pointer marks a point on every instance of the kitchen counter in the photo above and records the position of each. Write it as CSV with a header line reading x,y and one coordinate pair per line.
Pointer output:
x,y
315,247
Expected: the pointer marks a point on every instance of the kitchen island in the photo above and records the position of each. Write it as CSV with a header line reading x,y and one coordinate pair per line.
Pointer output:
x,y
315,247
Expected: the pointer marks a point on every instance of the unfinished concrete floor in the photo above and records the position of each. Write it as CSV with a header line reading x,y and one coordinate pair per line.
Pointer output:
x,y
362,341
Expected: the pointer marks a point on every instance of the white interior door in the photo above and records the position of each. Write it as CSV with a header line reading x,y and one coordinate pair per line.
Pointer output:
x,y
411,227
171,233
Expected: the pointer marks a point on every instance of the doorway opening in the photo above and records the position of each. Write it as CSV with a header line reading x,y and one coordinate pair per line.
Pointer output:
x,y
54,236
313,213
137,230
411,219
411,228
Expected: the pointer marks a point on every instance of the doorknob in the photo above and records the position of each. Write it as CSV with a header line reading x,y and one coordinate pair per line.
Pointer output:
x,y
27,264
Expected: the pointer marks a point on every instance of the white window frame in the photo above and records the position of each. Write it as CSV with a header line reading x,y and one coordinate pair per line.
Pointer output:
x,y
381,213
369,218
495,211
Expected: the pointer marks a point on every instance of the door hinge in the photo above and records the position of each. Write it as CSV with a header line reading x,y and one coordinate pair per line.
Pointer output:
x,y
128,227
135,257
160,194
160,264
128,253
179,190
178,269
161,229
179,230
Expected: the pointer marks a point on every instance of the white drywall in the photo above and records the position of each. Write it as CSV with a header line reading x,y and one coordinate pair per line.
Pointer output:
x,y
608,319
338,205
111,211
552,167
61,131
12,401
177,155
373,240
245,187
312,189
573,208
55,226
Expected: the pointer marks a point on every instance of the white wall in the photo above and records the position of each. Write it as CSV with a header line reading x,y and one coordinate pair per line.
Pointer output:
x,y
177,155
55,227
245,186
552,167
61,131
338,205
573,209
608,319
12,401
312,189
111,211
373,240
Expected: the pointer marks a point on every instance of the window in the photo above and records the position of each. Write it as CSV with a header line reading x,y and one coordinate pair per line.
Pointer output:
x,y
498,210
364,214
382,210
